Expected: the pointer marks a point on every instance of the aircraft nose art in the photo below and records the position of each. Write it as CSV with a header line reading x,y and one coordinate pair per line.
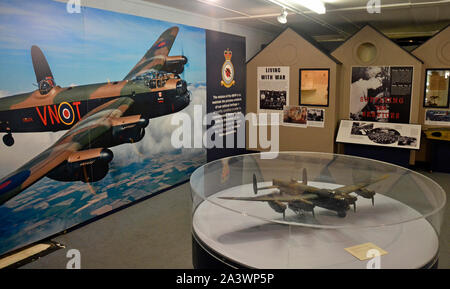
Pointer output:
x,y
13,181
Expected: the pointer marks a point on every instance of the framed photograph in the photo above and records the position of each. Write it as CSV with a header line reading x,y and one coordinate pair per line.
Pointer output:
x,y
314,87
436,87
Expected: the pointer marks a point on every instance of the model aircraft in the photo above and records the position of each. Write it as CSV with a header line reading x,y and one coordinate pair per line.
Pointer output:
x,y
98,116
300,197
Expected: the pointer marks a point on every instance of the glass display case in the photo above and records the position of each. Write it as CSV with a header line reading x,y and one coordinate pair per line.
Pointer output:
x,y
307,210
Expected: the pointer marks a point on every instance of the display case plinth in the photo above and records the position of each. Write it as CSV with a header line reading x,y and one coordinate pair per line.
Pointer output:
x,y
304,210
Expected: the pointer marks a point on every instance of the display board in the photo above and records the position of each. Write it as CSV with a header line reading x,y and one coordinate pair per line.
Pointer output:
x,y
435,53
273,88
405,136
297,52
225,55
381,93
132,75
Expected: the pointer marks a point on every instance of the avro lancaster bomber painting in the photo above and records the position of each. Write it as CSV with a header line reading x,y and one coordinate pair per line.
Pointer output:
x,y
86,107
97,116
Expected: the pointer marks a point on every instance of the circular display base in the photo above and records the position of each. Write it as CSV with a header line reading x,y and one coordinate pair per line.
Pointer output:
x,y
234,239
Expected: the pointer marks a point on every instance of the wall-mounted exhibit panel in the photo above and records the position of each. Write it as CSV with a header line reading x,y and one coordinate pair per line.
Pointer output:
x,y
95,133
435,53
380,80
405,136
381,93
293,77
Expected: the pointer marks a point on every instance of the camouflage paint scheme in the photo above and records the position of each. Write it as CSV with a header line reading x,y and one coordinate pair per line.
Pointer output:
x,y
97,116
299,196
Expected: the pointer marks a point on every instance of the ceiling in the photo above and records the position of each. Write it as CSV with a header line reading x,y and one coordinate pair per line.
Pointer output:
x,y
398,18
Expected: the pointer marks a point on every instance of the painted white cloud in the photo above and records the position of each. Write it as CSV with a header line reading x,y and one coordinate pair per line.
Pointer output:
x,y
158,134
4,93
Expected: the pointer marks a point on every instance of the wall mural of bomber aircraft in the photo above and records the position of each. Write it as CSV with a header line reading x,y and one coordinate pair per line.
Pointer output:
x,y
98,116
300,196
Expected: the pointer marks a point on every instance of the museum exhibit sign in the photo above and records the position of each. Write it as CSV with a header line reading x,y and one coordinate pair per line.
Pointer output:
x,y
381,93
405,136
94,134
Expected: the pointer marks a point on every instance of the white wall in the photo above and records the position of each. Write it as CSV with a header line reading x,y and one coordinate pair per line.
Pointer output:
x,y
254,37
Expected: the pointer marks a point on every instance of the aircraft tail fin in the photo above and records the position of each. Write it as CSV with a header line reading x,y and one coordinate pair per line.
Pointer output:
x,y
40,64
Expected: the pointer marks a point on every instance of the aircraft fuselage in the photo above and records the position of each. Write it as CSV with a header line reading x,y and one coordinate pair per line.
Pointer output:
x,y
61,108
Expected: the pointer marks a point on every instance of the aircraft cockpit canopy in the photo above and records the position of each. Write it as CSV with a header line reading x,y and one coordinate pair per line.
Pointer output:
x,y
156,79
46,84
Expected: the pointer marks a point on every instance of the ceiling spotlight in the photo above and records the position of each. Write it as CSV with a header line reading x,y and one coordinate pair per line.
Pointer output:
x,y
283,17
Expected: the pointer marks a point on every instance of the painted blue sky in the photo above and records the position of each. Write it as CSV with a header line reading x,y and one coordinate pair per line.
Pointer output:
x,y
90,47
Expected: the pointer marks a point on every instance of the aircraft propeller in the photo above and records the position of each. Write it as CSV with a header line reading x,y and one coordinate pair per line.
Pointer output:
x,y
255,185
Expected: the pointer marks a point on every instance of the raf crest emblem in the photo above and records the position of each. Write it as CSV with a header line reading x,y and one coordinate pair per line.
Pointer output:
x,y
227,70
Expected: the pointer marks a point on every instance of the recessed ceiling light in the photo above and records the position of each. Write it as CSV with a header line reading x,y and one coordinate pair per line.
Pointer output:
x,y
314,5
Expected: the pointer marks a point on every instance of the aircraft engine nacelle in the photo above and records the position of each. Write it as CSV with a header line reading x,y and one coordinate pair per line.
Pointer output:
x,y
365,193
323,193
277,206
87,166
130,129
297,206
175,64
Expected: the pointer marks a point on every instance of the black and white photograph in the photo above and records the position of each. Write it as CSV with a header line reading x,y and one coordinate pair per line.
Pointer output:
x,y
316,117
272,99
407,141
361,128
383,135
381,94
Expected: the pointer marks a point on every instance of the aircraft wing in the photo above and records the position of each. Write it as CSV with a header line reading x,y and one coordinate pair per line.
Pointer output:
x,y
352,188
275,197
88,130
151,61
